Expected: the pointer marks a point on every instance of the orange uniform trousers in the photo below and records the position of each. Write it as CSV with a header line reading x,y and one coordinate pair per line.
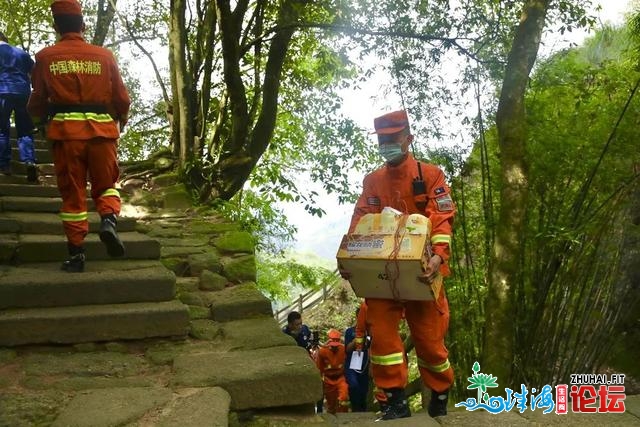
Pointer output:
x,y
428,322
73,159
336,393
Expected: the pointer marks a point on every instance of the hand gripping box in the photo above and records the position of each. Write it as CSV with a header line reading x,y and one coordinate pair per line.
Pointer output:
x,y
386,253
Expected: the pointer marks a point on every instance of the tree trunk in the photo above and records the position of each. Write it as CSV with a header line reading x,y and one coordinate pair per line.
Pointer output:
x,y
182,103
242,151
106,10
505,265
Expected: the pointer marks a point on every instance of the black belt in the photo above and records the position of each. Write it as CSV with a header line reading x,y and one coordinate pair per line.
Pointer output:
x,y
77,108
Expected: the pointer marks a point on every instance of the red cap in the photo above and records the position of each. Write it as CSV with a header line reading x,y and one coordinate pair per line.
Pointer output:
x,y
391,123
66,7
334,337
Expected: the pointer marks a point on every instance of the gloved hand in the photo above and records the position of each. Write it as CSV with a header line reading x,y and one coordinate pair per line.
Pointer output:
x,y
432,270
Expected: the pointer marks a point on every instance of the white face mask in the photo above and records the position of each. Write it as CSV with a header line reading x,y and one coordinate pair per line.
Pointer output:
x,y
391,152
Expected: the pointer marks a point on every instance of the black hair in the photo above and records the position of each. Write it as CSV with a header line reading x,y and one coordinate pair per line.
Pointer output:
x,y
294,315
68,23
3,37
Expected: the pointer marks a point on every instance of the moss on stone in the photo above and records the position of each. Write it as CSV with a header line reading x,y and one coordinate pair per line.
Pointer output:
x,y
197,312
236,241
7,355
240,269
34,409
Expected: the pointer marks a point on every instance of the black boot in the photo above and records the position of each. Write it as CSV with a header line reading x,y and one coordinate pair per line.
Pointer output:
x,y
109,236
75,264
397,405
438,403
32,172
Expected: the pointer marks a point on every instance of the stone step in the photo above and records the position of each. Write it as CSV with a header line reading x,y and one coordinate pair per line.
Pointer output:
x,y
91,323
34,204
20,168
287,371
50,248
50,223
48,180
40,143
103,282
28,190
43,155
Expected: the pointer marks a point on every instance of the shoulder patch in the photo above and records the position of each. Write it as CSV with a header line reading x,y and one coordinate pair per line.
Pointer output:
x,y
439,190
445,203
373,201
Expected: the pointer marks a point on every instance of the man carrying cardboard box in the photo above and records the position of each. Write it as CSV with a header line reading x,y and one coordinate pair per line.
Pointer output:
x,y
411,187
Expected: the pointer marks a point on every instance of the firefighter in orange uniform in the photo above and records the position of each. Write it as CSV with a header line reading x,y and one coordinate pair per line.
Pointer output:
x,y
411,187
330,362
79,95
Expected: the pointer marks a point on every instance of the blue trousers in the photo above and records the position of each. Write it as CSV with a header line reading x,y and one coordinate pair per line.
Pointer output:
x,y
16,104
358,388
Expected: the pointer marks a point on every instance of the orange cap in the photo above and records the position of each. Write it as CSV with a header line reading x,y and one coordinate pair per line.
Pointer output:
x,y
391,123
66,7
334,337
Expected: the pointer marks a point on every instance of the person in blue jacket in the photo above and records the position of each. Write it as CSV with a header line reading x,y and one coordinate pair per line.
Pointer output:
x,y
357,379
15,89
300,332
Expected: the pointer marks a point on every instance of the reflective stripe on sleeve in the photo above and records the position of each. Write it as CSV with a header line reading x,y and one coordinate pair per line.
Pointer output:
x,y
441,238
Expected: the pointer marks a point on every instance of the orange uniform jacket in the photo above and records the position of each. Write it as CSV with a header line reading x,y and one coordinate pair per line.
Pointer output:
x,y
335,387
391,186
330,364
78,88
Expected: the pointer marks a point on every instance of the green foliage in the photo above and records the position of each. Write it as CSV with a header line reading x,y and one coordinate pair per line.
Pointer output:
x,y
281,279
257,214
27,24
580,164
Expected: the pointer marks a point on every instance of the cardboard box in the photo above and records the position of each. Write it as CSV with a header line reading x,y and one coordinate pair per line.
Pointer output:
x,y
385,255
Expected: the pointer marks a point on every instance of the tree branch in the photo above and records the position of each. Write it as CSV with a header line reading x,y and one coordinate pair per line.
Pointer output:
x,y
447,41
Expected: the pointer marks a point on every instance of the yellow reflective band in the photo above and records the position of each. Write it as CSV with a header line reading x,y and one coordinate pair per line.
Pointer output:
x,y
388,359
329,367
111,192
359,340
96,117
441,367
68,216
344,403
441,238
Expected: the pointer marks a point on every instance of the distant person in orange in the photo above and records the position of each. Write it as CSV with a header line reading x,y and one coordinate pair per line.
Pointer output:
x,y
79,95
409,186
331,359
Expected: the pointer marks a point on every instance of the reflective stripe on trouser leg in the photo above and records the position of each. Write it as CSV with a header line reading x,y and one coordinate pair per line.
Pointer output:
x,y
343,395
104,173
388,366
71,175
75,226
428,322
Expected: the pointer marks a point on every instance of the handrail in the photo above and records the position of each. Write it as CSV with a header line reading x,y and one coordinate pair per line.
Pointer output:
x,y
305,301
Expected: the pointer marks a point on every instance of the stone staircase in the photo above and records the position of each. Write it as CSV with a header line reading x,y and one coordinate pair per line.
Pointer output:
x,y
128,298
99,348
